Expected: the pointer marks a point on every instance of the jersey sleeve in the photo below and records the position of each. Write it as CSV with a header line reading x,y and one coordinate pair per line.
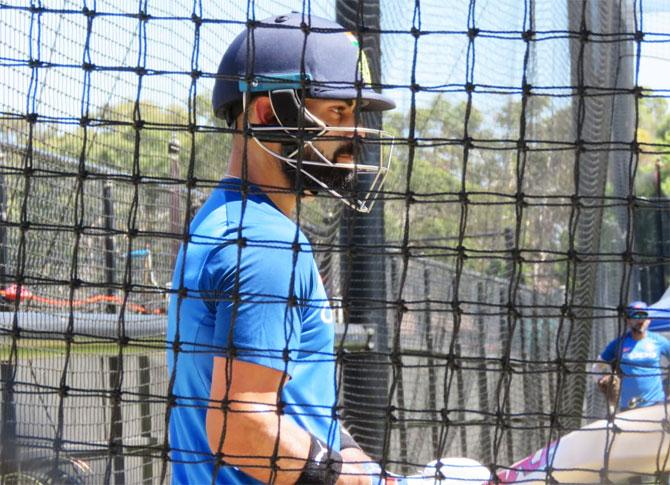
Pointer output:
x,y
257,319
610,353
665,347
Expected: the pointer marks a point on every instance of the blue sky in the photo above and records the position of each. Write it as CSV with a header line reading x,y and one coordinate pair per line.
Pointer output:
x,y
59,91
655,59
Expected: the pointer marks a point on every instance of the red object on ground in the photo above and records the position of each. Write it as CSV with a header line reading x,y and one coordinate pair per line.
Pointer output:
x,y
11,293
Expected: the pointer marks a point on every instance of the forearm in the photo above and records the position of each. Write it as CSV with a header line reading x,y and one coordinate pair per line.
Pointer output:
x,y
600,369
255,438
249,432
249,435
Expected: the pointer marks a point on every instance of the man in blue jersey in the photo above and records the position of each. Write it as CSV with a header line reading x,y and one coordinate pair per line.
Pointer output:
x,y
251,332
635,358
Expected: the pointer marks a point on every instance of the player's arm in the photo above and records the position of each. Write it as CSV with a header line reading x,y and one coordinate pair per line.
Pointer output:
x,y
604,364
665,365
665,349
604,375
599,369
252,431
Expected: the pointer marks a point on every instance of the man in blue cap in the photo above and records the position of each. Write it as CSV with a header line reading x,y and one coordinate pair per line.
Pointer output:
x,y
634,362
251,331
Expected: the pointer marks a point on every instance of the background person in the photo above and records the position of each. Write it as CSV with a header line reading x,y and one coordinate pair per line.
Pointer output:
x,y
635,360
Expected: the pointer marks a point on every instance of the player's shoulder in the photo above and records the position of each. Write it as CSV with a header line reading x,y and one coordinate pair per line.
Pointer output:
x,y
658,337
618,340
264,225
254,217
615,345
227,228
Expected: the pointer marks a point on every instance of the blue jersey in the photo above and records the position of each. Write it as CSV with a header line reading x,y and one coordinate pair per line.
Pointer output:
x,y
640,364
250,289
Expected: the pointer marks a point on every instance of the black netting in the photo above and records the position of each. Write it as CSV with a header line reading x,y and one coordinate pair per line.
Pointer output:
x,y
524,208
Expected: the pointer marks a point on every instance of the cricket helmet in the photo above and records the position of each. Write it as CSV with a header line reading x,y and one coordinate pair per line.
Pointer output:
x,y
293,57
295,51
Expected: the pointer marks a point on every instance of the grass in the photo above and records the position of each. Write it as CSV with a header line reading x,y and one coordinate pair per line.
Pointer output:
x,y
30,348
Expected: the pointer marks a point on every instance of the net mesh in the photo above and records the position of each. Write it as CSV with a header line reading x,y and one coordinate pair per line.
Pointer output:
x,y
524,208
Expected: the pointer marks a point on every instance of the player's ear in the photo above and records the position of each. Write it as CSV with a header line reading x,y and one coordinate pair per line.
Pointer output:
x,y
263,111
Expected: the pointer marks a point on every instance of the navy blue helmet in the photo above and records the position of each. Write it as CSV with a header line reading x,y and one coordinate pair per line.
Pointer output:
x,y
279,53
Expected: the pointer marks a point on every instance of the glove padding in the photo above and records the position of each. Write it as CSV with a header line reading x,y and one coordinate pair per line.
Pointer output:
x,y
610,386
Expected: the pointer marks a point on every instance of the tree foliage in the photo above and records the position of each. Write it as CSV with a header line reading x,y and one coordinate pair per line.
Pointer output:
x,y
492,192
491,179
133,138
653,134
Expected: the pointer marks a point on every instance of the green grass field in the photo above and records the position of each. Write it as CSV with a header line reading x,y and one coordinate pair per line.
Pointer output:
x,y
31,348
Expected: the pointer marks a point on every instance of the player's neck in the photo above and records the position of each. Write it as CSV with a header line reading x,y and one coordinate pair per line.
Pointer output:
x,y
638,336
265,172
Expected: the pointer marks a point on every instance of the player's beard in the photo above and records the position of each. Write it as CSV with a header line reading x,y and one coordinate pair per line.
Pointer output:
x,y
638,328
338,179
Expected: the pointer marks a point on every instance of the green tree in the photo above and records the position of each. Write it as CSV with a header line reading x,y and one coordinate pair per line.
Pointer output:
x,y
496,172
126,132
653,133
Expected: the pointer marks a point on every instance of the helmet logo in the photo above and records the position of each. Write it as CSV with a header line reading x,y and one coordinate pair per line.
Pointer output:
x,y
363,65
364,69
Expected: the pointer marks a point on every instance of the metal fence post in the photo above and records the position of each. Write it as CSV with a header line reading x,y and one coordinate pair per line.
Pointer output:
x,y
535,354
549,351
506,344
9,447
482,380
144,393
528,394
4,306
460,385
110,259
432,375
116,420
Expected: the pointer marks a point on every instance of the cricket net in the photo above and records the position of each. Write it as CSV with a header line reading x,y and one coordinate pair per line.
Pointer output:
x,y
473,300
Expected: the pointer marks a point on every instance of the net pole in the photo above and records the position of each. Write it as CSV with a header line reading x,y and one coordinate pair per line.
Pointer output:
x,y
8,449
430,347
462,403
540,379
116,417
593,64
504,382
485,449
4,306
176,218
145,417
364,288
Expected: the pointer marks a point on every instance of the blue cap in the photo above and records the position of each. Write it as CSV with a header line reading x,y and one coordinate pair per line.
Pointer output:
x,y
324,59
637,310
